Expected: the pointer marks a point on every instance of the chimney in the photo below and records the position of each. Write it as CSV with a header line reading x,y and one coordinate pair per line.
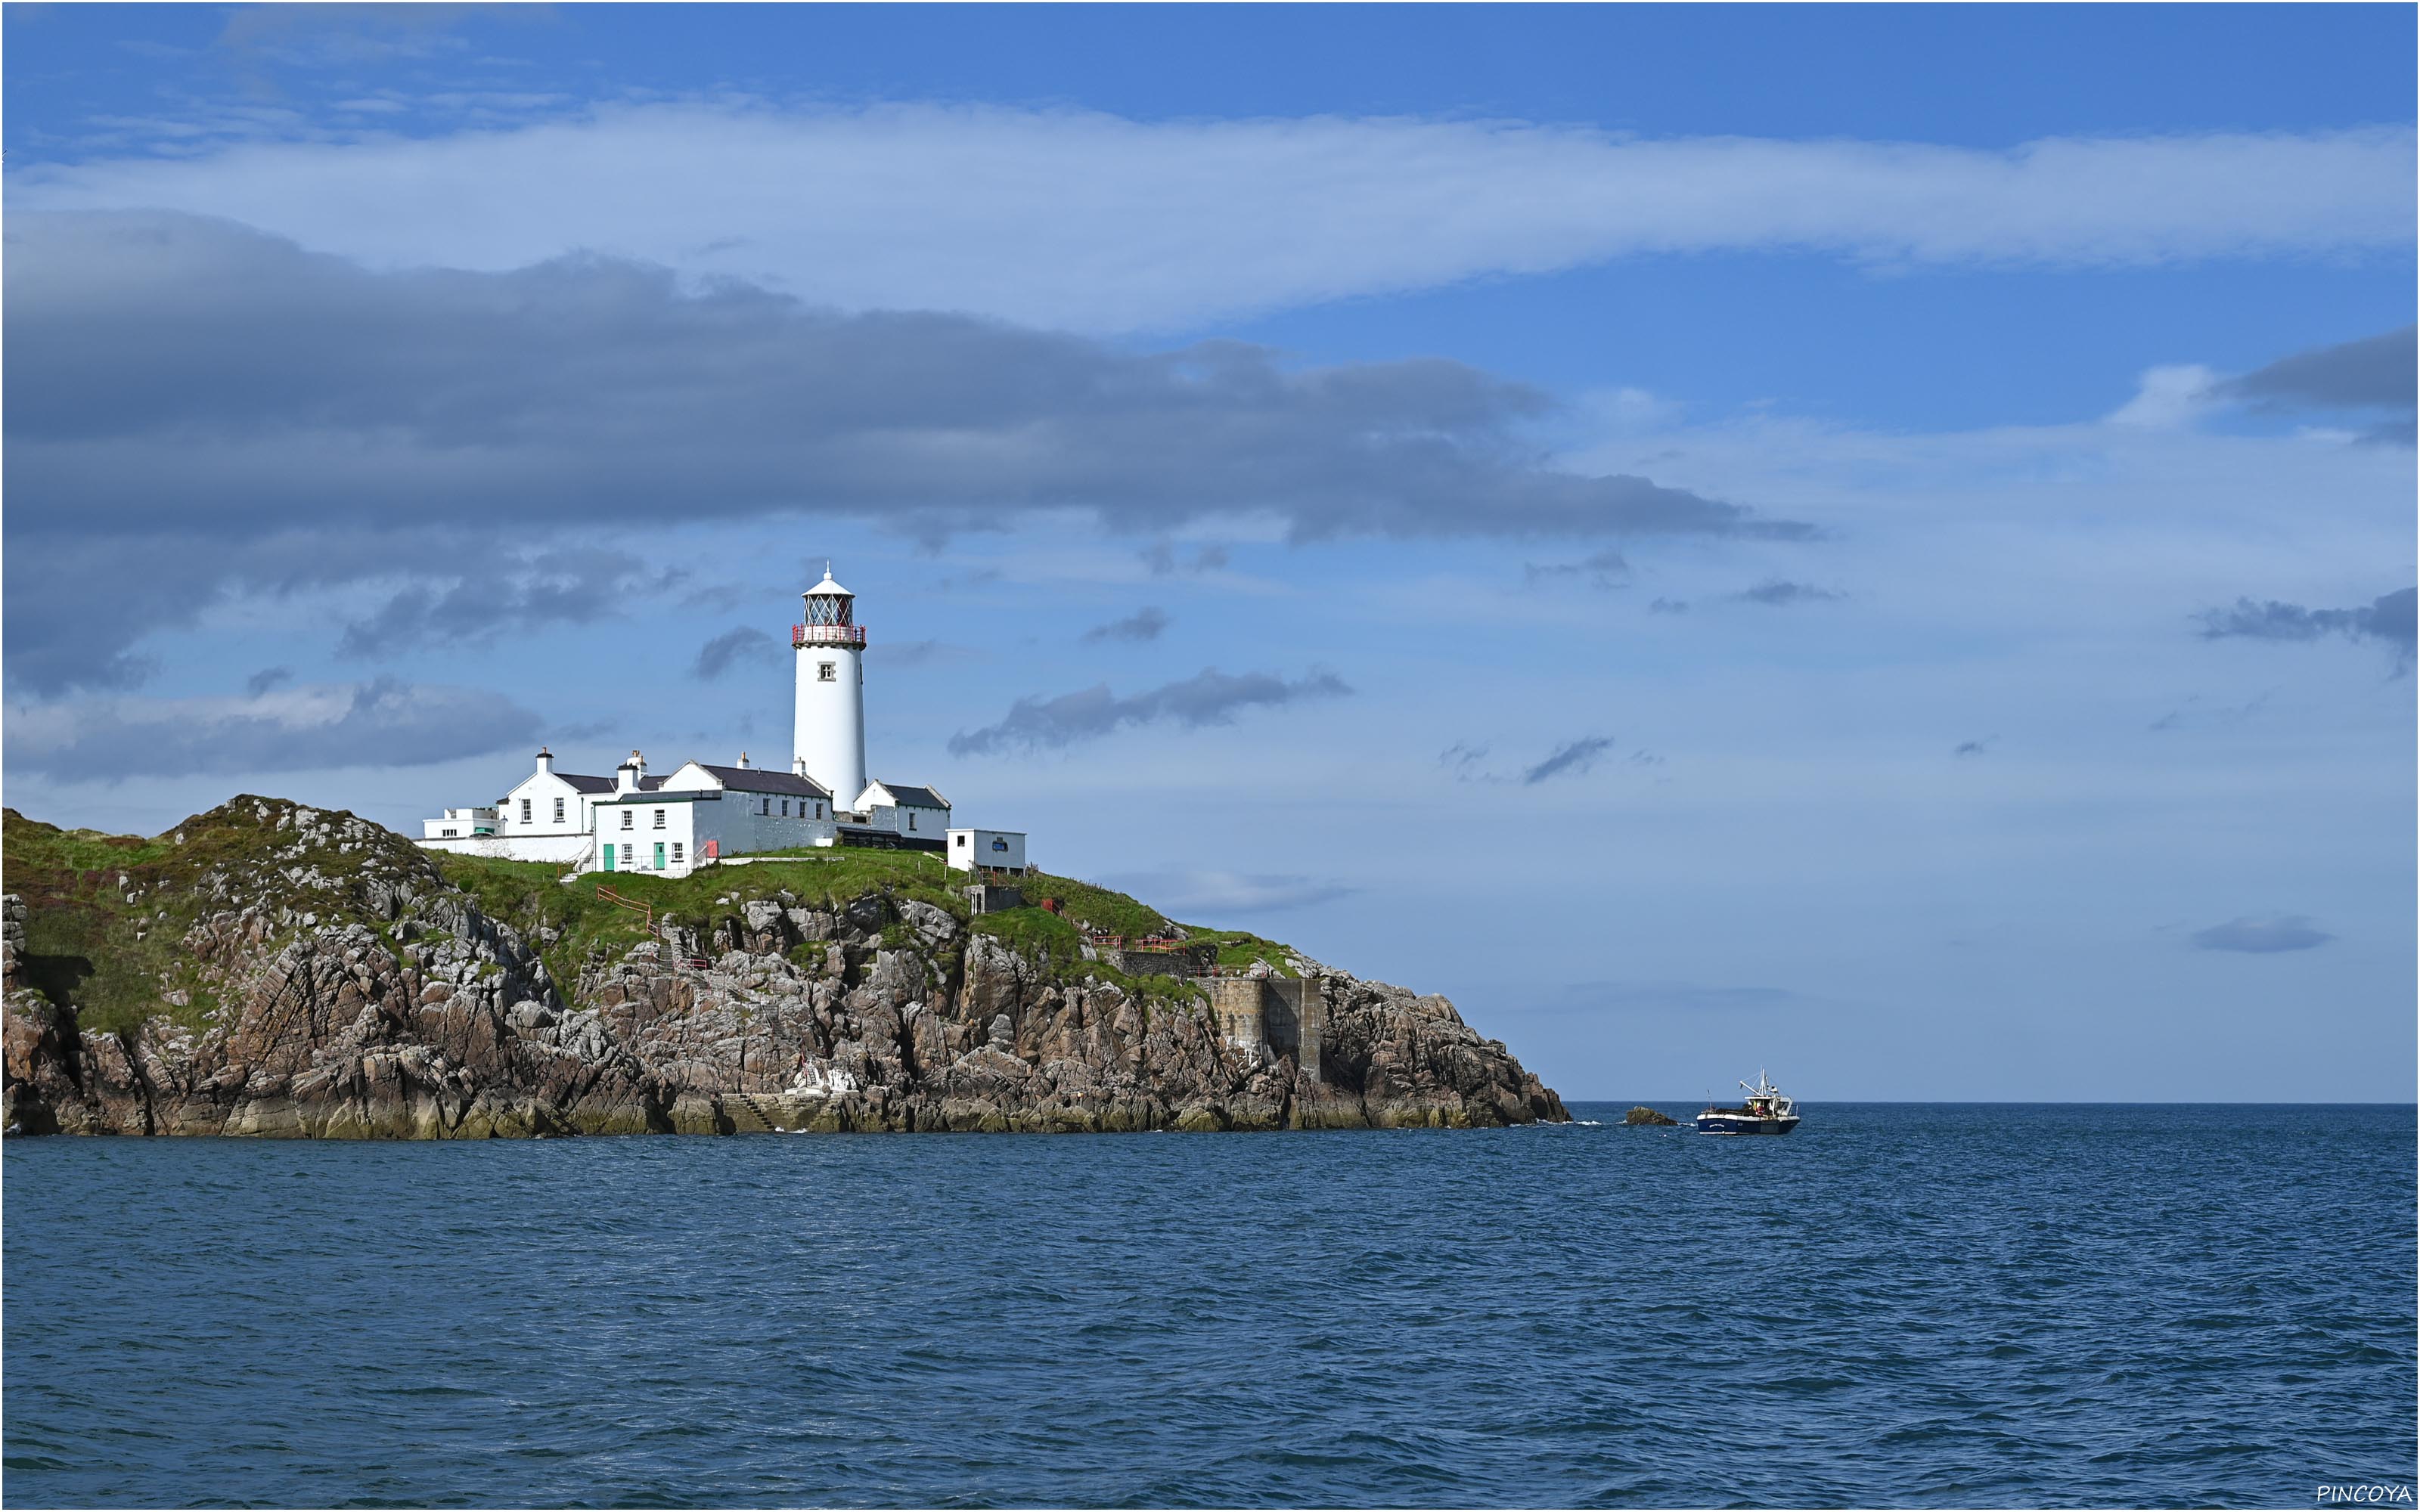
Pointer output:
x,y
798,766
743,761
626,779
545,760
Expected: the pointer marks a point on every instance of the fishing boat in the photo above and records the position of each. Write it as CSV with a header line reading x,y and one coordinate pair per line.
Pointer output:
x,y
1764,1111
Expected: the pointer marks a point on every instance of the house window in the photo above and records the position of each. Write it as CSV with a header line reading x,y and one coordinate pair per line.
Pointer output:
x,y
628,818
450,833
819,808
785,807
676,853
558,810
626,857
767,806
824,672
525,810
911,818
962,843
659,819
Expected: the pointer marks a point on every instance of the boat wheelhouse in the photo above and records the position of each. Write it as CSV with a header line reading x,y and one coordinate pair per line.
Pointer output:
x,y
1764,1111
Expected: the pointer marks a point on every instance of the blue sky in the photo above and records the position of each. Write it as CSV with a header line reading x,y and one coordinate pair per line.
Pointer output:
x,y
1875,542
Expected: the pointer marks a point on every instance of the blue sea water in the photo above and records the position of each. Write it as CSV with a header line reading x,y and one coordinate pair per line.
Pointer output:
x,y
1899,1305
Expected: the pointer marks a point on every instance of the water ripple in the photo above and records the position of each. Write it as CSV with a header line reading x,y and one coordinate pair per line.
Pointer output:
x,y
1898,1306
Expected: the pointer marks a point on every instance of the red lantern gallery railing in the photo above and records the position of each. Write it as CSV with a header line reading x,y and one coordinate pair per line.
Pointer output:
x,y
826,634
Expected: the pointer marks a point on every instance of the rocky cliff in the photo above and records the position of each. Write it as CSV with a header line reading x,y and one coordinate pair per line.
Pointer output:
x,y
268,968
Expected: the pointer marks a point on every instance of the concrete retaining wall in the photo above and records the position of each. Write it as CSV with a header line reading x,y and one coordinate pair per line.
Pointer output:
x,y
1270,1015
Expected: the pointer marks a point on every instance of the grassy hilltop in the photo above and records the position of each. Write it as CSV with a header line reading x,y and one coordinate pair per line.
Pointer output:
x,y
107,914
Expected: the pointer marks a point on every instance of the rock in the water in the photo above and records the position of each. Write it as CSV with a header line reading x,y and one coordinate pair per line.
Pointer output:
x,y
1643,1114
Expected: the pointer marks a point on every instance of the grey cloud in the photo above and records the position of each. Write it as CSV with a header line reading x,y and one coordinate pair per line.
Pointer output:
x,y
1145,623
76,603
2375,373
1575,758
381,723
197,387
2195,711
1668,606
720,654
2388,619
1778,592
1209,697
1970,748
2379,372
267,678
506,593
919,652
1462,759
2262,936
1160,557
1608,568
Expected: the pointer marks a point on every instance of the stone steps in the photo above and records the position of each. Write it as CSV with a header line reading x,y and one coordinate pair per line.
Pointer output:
x,y
748,1113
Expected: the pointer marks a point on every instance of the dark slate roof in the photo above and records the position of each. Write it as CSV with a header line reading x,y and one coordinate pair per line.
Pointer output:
x,y
912,797
767,779
587,784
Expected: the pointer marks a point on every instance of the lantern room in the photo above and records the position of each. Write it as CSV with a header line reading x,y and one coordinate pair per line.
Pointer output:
x,y
830,617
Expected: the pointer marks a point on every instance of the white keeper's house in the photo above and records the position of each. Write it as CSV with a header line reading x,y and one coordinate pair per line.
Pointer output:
x,y
698,814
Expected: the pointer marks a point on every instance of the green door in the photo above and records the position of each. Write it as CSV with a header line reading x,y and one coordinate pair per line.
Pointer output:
x,y
660,855
609,856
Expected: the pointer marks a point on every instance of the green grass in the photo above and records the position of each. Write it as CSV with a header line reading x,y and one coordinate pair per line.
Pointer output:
x,y
1111,913
1045,938
1238,950
81,934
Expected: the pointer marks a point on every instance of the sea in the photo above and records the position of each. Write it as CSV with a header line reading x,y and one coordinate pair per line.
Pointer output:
x,y
1900,1305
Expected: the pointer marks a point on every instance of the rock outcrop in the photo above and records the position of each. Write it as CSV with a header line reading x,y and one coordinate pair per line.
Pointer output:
x,y
272,969
1645,1115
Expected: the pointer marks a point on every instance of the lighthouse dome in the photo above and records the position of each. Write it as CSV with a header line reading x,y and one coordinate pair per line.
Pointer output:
x,y
827,588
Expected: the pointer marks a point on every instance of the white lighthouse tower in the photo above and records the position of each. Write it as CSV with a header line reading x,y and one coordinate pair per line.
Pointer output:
x,y
830,732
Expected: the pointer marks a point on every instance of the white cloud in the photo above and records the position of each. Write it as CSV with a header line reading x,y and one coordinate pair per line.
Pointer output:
x,y
1085,221
1211,894
2167,397
383,722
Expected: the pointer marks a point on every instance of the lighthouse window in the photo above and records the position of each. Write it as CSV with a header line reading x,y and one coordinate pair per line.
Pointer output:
x,y
824,672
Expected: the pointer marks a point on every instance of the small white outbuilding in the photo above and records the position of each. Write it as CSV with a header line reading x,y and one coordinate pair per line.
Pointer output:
x,y
988,850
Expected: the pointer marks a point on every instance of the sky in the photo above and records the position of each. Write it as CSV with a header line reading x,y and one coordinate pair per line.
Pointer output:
x,y
1874,542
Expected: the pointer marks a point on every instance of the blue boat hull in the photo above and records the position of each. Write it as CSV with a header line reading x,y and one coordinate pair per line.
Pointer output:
x,y
1728,1123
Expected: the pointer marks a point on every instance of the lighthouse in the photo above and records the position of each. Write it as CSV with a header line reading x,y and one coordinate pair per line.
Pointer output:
x,y
830,729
